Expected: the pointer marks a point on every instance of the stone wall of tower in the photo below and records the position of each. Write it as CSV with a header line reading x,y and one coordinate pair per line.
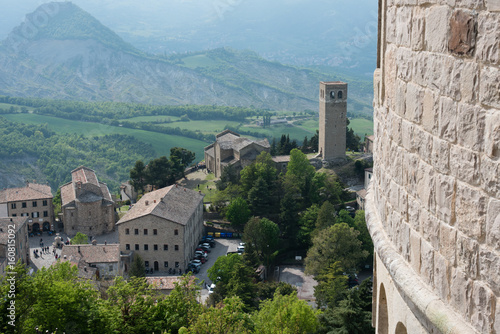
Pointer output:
x,y
433,207
332,120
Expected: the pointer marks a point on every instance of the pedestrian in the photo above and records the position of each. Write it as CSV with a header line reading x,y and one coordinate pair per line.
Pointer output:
x,y
105,242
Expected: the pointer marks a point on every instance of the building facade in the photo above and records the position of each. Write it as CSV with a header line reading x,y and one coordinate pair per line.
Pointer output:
x,y
14,243
101,261
33,201
433,205
231,149
86,204
332,120
163,228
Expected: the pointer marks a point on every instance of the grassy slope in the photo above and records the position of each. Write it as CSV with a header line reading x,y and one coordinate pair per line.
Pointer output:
x,y
204,126
161,142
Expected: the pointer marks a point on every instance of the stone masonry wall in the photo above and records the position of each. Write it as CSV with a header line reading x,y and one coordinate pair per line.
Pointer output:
x,y
436,188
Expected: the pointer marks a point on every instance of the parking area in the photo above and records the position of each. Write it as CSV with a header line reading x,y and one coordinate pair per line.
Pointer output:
x,y
305,284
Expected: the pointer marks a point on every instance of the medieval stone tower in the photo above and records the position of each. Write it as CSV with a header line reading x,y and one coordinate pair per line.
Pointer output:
x,y
332,120
433,204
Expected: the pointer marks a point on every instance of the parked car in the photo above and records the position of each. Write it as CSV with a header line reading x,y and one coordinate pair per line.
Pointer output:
x,y
201,253
193,268
205,248
196,262
211,288
241,249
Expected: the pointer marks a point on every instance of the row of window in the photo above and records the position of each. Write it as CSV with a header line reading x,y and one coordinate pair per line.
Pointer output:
x,y
155,247
34,204
145,231
165,263
33,214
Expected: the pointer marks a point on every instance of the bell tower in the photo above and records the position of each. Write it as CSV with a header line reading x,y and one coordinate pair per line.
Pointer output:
x,y
332,120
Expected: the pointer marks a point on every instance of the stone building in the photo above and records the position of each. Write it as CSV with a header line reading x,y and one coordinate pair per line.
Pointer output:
x,y
86,204
433,205
231,149
33,201
94,261
332,120
163,227
20,244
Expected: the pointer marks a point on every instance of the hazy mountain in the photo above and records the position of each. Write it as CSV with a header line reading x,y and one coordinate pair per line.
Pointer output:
x,y
61,51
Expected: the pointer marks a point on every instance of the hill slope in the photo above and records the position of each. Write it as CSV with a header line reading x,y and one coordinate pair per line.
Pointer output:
x,y
73,56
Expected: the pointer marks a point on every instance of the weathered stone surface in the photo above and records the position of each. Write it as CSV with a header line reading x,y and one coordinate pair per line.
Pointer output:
x,y
470,126
445,198
441,276
415,250
490,170
469,82
427,262
448,242
423,141
417,29
488,44
440,155
463,32
429,226
414,213
407,128
430,116
436,28
470,210
464,164
391,24
473,4
489,87
483,307
400,98
489,268
448,119
493,224
461,292
492,138
404,63
414,97
426,186
403,26
468,255
493,5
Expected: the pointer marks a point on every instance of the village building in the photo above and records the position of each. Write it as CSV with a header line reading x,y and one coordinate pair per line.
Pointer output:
x,y
16,229
33,201
229,149
94,261
86,204
163,228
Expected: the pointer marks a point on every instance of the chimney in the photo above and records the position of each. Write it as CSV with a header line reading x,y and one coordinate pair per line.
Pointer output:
x,y
147,203
155,201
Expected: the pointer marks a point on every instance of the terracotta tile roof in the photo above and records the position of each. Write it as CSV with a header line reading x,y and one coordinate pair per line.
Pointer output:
x,y
67,194
281,158
361,193
91,253
174,203
4,227
32,191
84,175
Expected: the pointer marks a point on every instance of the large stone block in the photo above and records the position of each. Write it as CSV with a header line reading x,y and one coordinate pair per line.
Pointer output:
x,y
423,142
472,4
448,242
426,186
436,28
391,24
489,266
489,87
490,169
492,138
463,33
470,126
488,44
430,112
468,255
469,82
483,307
429,225
461,292
493,5
407,138
470,211
421,67
400,98
464,164
426,262
440,155
414,97
415,239
448,119
414,213
493,224
417,29
403,26
441,277
445,198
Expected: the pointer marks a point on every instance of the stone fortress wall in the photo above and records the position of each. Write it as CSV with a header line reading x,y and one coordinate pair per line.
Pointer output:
x,y
433,207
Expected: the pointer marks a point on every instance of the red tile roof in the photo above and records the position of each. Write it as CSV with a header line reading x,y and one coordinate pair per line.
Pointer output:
x,y
32,191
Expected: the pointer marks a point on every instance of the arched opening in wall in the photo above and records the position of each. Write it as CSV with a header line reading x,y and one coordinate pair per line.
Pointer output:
x,y
383,316
400,329
339,94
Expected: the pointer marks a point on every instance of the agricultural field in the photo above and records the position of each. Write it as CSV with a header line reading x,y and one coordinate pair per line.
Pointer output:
x,y
8,105
204,126
160,142
152,119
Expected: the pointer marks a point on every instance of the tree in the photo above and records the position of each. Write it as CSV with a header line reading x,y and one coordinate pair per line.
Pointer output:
x,y
238,213
137,268
56,201
285,314
159,173
301,172
326,187
263,237
180,158
138,176
326,216
228,176
332,284
79,239
353,142
335,243
364,234
307,224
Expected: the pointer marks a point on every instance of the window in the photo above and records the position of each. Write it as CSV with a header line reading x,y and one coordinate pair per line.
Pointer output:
x,y
146,247
146,263
155,247
177,264
127,231
34,214
110,268
339,94
165,247
45,213
176,232
13,206
136,231
155,231
145,231
35,204
332,94
14,215
23,204
165,264
44,203
127,247
176,247
137,247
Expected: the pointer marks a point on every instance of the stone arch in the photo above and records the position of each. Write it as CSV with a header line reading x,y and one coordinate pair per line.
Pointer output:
x,y
339,94
400,328
383,314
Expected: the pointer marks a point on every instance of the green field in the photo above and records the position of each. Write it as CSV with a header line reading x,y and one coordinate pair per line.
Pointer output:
x,y
8,105
160,142
152,119
199,61
278,130
203,126
359,125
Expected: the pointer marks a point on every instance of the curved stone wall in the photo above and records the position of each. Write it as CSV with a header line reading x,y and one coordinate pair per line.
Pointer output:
x,y
434,201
